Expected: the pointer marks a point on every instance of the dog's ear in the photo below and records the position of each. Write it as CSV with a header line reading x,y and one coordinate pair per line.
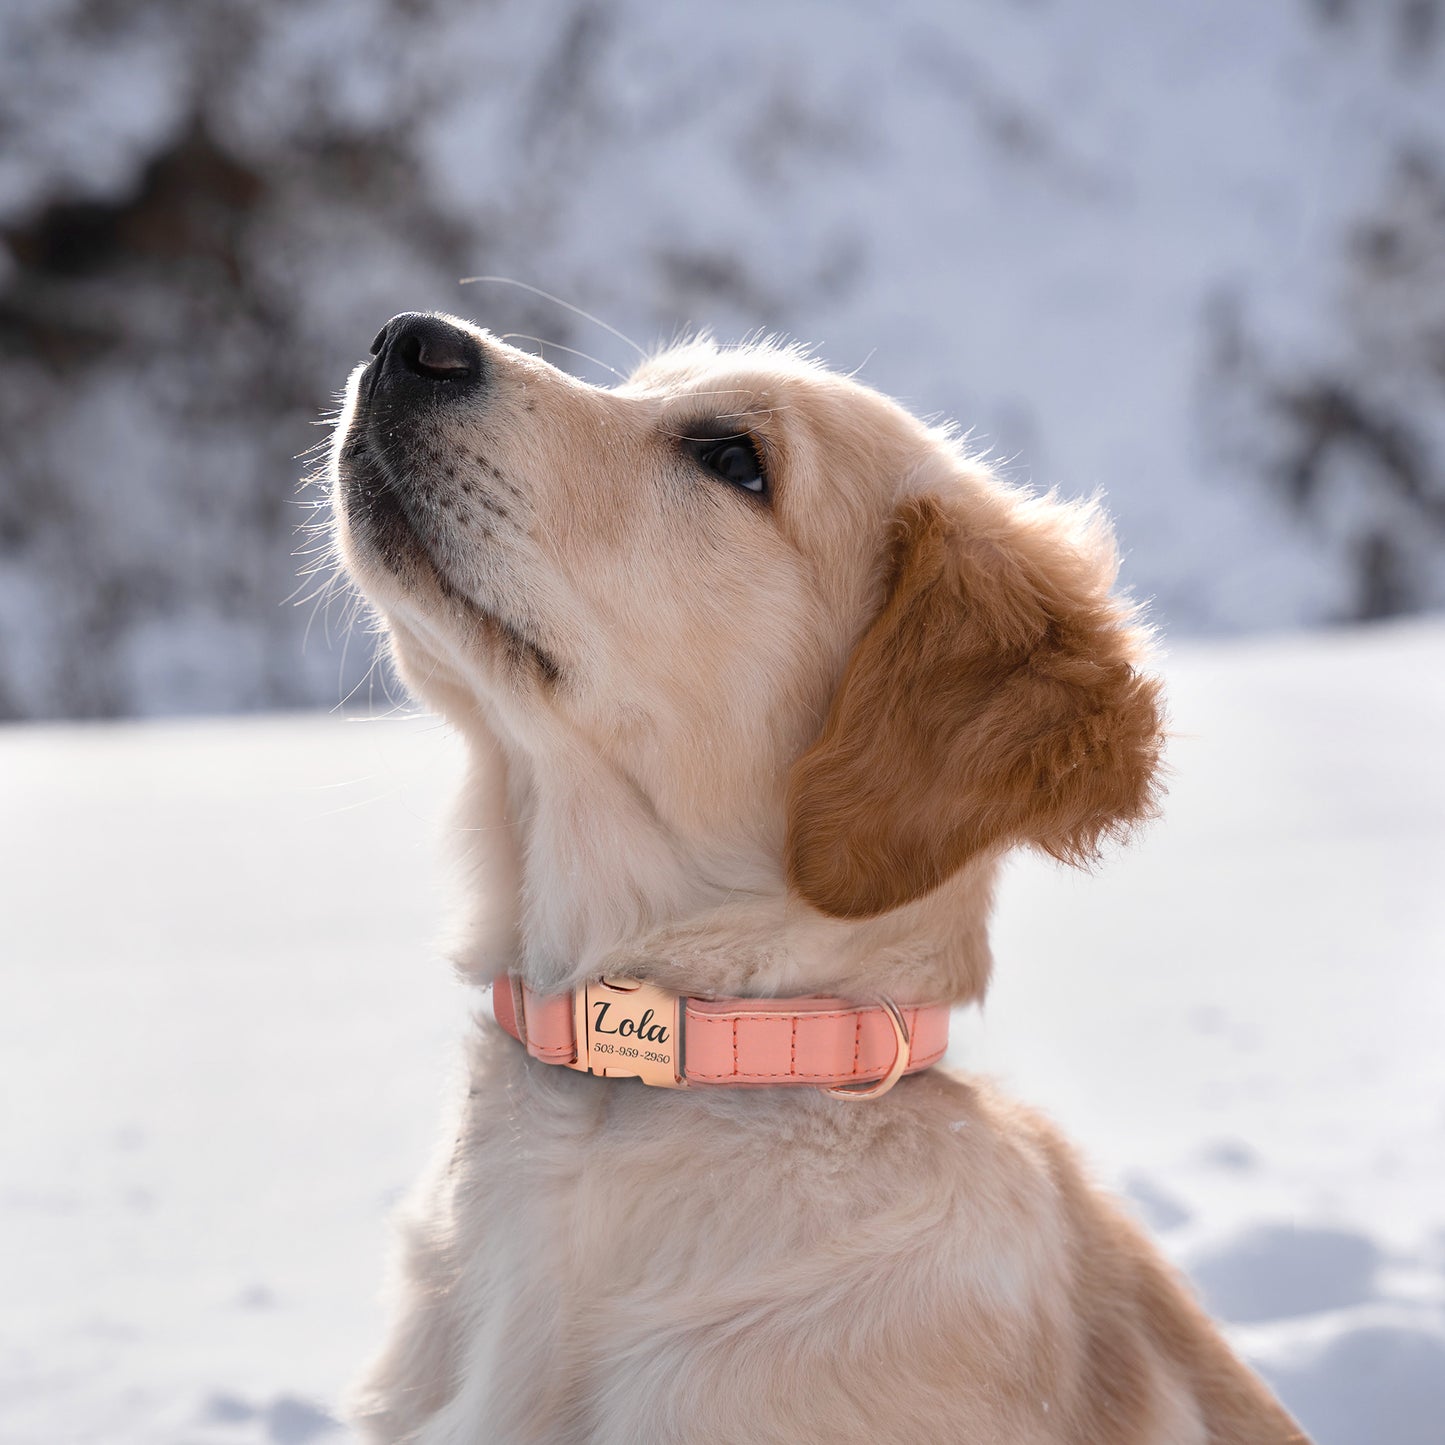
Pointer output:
x,y
994,701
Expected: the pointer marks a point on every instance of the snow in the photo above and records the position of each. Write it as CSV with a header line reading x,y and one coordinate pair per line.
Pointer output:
x,y
228,1040
1128,247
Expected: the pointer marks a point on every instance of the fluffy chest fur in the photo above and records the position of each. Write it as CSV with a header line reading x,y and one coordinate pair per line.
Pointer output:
x,y
597,1261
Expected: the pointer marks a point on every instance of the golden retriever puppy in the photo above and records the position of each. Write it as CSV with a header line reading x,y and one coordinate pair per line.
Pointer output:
x,y
762,677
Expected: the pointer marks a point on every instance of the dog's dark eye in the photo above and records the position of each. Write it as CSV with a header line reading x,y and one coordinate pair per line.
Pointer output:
x,y
734,460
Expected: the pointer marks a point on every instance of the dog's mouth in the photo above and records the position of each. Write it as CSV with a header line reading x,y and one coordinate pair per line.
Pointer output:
x,y
381,522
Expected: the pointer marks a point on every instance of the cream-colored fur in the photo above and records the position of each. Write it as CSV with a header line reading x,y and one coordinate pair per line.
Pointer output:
x,y
639,654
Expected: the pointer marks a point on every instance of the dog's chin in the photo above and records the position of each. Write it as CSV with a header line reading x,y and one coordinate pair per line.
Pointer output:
x,y
395,566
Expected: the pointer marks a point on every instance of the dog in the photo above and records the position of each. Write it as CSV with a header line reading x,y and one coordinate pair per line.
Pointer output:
x,y
761,678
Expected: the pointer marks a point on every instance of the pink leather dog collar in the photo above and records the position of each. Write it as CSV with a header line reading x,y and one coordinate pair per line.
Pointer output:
x,y
625,1028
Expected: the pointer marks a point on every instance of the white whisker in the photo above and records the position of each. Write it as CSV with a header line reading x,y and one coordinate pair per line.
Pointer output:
x,y
558,301
557,345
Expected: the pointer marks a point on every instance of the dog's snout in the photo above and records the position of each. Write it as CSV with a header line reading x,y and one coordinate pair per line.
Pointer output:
x,y
416,348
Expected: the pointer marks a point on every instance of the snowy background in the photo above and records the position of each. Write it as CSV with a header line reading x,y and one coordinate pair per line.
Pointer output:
x,y
1192,255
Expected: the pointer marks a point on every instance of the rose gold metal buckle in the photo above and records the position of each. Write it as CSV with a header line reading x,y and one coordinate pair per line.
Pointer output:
x,y
630,1029
902,1055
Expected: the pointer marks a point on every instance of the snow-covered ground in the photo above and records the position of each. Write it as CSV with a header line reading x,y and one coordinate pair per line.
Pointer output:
x,y
227,1040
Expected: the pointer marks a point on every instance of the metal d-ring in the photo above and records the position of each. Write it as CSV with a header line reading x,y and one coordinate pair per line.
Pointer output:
x,y
902,1056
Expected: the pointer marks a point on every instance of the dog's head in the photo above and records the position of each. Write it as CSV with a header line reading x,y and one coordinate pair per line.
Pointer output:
x,y
825,653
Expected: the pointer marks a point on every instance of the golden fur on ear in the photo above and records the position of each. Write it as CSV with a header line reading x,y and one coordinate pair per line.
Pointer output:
x,y
993,701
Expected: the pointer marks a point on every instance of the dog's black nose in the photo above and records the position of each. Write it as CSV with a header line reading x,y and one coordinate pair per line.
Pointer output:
x,y
416,348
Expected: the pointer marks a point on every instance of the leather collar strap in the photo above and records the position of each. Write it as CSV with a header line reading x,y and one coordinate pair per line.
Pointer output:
x,y
620,1027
